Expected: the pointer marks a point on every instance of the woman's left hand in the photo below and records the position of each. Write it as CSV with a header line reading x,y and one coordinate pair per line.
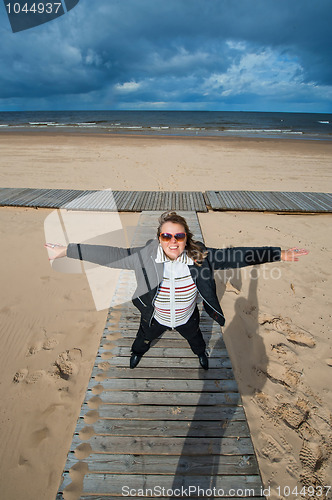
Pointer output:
x,y
293,254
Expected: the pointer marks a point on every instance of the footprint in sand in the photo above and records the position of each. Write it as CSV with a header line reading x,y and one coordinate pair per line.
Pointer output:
x,y
86,433
97,389
313,457
83,451
33,377
48,345
20,375
284,353
27,377
91,417
279,374
270,449
293,333
38,436
264,402
33,349
67,363
104,365
292,468
292,415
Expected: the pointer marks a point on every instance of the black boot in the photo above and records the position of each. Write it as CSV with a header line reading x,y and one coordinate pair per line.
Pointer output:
x,y
134,360
203,361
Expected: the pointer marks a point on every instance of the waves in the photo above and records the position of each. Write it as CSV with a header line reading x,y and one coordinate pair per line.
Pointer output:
x,y
174,123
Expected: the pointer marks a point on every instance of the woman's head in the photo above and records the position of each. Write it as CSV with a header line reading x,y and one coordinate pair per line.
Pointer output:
x,y
175,236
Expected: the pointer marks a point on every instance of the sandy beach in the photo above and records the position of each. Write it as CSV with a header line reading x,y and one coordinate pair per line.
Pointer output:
x,y
278,329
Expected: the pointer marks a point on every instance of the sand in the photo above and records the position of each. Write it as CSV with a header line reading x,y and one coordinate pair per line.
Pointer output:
x,y
278,325
154,163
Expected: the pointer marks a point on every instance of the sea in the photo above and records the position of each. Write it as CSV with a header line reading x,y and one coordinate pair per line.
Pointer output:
x,y
313,126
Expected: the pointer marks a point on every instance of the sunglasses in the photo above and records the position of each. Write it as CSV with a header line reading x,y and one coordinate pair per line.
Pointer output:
x,y
169,236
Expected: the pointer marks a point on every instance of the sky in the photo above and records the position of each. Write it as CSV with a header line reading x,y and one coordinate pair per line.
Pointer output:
x,y
217,55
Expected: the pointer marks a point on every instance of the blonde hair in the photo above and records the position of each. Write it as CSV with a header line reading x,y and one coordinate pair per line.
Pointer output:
x,y
193,248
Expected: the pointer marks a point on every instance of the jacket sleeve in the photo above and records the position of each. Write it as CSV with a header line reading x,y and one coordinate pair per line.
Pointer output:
x,y
115,257
227,258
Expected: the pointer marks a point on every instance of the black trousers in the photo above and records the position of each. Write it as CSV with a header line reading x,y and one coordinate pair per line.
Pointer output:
x,y
190,331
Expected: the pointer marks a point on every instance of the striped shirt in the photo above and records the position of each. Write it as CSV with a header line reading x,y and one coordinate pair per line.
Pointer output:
x,y
177,294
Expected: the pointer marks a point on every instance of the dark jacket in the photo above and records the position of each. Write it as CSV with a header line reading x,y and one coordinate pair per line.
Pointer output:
x,y
149,273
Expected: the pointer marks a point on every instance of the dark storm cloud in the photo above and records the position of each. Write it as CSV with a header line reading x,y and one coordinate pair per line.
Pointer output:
x,y
181,53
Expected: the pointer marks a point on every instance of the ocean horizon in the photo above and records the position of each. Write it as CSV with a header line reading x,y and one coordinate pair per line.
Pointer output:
x,y
314,126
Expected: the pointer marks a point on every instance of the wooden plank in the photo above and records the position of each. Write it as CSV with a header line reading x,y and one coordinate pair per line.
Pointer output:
x,y
166,398
165,428
90,496
169,352
124,338
128,326
170,373
163,342
149,362
113,484
214,199
152,385
132,315
169,464
156,445
170,412
199,200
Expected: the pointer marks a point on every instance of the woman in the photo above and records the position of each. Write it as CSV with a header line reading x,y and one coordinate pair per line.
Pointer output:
x,y
172,272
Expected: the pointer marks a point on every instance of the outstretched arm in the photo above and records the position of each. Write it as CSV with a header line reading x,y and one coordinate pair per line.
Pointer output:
x,y
104,255
236,257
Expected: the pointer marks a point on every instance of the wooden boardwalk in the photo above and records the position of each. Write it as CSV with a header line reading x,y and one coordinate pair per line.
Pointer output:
x,y
106,200
271,201
167,424
138,201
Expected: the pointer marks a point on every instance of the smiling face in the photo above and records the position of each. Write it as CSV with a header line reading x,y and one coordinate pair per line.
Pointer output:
x,y
172,248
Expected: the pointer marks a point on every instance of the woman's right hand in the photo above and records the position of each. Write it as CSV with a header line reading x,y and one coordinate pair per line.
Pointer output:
x,y
57,251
